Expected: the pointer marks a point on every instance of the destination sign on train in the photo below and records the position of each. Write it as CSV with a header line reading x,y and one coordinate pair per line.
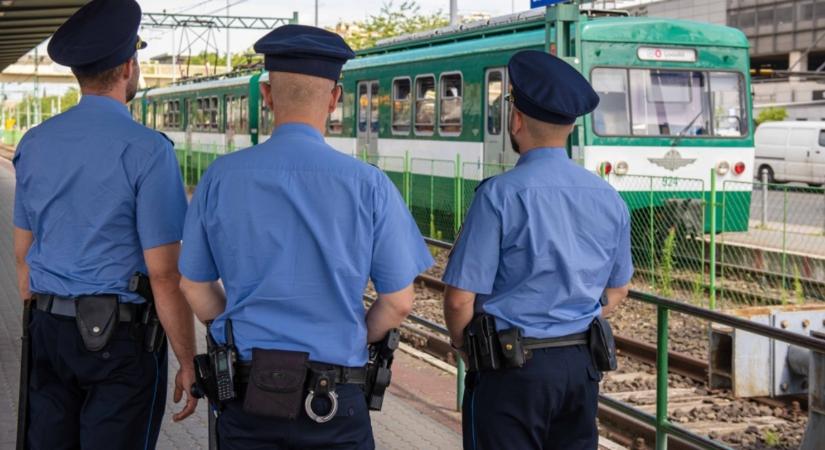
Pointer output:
x,y
540,3
667,54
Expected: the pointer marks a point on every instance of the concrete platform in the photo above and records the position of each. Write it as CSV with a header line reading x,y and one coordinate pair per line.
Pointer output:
x,y
408,421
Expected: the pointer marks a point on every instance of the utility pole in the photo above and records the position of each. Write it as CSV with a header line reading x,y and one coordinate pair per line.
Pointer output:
x,y
453,12
228,51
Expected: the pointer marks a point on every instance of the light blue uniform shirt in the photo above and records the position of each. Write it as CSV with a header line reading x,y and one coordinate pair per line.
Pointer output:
x,y
294,229
96,189
540,244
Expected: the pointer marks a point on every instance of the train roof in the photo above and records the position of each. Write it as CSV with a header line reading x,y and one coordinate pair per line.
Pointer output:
x,y
649,30
197,86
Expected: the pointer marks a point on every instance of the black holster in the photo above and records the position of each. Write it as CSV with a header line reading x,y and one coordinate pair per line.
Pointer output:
x,y
489,349
154,337
379,369
602,345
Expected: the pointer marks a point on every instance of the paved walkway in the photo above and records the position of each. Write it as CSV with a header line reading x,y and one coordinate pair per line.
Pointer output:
x,y
399,426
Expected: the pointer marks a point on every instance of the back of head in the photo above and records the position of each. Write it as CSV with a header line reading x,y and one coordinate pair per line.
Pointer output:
x,y
298,94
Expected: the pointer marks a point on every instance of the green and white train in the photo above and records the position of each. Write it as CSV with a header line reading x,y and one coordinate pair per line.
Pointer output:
x,y
675,106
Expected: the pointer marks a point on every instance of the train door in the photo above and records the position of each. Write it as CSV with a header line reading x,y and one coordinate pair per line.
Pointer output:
x,y
497,148
367,130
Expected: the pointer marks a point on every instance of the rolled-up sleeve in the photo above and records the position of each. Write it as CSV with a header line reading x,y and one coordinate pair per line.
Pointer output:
x,y
399,253
474,259
161,200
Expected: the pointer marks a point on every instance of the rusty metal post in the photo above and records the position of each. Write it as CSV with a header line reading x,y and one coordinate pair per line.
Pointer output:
x,y
815,433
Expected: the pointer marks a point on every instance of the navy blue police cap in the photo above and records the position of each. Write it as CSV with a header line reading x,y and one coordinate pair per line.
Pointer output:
x,y
548,89
101,35
305,50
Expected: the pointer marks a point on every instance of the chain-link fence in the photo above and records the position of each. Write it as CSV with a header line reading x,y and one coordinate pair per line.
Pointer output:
x,y
434,187
778,256
668,219
766,245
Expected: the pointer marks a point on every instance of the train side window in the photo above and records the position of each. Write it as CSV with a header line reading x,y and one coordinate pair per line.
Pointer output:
x,y
401,106
612,116
265,120
150,115
363,107
243,115
425,104
336,119
822,138
214,114
374,107
495,87
231,114
451,95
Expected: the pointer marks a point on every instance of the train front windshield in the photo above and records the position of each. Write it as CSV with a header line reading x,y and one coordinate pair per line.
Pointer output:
x,y
656,102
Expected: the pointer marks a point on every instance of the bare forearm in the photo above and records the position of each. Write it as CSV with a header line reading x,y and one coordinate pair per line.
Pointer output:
x,y
615,296
388,312
207,299
176,317
458,312
23,240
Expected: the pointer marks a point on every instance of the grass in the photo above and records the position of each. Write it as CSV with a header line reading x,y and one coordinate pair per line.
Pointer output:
x,y
666,275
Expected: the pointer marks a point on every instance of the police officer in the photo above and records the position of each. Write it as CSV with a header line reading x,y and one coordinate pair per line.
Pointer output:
x,y
98,198
294,229
539,246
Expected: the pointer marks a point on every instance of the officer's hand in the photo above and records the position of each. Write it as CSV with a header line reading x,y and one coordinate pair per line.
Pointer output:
x,y
183,381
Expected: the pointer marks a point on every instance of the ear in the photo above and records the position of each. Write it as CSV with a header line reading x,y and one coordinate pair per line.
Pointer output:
x,y
266,93
516,120
128,67
337,92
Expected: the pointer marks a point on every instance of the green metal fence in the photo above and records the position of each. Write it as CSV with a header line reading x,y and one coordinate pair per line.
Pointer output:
x,y
738,242
782,252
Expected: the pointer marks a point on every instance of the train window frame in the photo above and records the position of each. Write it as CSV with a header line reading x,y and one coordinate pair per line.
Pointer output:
x,y
409,100
747,130
171,116
488,106
339,111
415,124
441,99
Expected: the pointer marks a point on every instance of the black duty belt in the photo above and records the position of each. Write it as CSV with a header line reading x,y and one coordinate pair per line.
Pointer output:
x,y
65,306
563,341
338,374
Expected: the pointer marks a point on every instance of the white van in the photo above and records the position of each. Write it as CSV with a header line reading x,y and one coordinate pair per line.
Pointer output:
x,y
791,151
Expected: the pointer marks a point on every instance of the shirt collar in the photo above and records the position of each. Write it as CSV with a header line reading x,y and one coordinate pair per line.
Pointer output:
x,y
298,128
543,153
108,103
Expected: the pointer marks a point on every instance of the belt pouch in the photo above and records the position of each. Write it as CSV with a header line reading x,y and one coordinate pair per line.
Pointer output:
x,y
276,383
602,345
97,318
512,350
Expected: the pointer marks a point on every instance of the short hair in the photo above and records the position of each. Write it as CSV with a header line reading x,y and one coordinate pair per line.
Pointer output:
x,y
100,80
291,91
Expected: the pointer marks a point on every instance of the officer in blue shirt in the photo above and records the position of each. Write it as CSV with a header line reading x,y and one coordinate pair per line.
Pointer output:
x,y
98,198
294,229
540,245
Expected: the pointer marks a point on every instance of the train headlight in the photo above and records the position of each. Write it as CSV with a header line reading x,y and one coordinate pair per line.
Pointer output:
x,y
622,168
739,168
606,168
722,168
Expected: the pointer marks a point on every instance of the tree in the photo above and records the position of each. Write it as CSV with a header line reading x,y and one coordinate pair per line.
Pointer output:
x,y
771,115
390,21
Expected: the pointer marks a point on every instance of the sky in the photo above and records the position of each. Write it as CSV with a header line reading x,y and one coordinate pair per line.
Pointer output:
x,y
330,12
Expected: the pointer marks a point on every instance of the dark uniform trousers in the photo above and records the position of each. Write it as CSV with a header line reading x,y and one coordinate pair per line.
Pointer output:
x,y
350,428
110,399
549,403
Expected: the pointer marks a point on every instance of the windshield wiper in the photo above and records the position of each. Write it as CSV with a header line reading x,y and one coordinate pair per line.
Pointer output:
x,y
681,133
